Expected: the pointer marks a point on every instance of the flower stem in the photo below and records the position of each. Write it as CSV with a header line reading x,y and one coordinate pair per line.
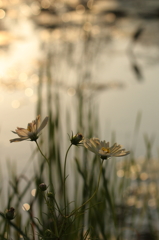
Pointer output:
x,y
53,217
42,153
92,194
64,180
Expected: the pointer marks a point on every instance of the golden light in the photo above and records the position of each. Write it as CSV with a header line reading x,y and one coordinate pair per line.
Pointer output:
x,y
120,173
23,77
95,29
90,4
2,13
45,4
1,99
133,169
45,35
15,104
143,176
131,200
29,92
56,34
14,1
34,78
25,10
35,8
5,38
33,192
87,26
26,207
71,91
80,9
33,99
139,204
110,17
66,17
12,73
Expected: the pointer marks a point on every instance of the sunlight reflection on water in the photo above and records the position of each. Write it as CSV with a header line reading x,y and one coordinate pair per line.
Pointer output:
x,y
22,55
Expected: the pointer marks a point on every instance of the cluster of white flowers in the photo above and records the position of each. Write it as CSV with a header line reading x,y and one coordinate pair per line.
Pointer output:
x,y
101,148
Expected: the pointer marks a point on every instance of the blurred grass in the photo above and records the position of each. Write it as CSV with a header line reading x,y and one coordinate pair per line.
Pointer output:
x,y
127,203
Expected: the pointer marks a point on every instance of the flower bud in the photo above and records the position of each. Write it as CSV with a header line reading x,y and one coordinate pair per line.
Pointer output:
x,y
10,213
77,139
42,187
50,195
48,233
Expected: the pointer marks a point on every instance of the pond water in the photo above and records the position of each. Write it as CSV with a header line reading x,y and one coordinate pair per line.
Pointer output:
x,y
119,71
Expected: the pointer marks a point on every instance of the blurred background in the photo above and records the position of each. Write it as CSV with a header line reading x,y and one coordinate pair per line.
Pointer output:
x,y
98,55
107,50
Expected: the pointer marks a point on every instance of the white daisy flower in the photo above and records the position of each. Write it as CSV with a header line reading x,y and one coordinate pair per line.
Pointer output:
x,y
102,149
32,131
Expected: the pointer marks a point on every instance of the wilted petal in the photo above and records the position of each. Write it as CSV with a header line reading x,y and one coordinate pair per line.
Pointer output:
x,y
22,132
37,122
18,139
43,124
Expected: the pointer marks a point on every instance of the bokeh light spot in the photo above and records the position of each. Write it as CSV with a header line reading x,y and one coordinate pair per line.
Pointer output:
x,y
80,9
45,4
139,204
90,4
15,104
87,26
131,200
26,207
120,173
35,8
71,91
23,77
2,13
143,176
29,92
110,17
25,10
66,17
33,192
34,78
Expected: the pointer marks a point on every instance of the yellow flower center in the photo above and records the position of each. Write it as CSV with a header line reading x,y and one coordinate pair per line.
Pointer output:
x,y
106,150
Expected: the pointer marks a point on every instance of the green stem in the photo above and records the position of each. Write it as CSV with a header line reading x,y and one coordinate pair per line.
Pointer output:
x,y
53,218
109,199
64,187
42,153
15,227
7,230
92,194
